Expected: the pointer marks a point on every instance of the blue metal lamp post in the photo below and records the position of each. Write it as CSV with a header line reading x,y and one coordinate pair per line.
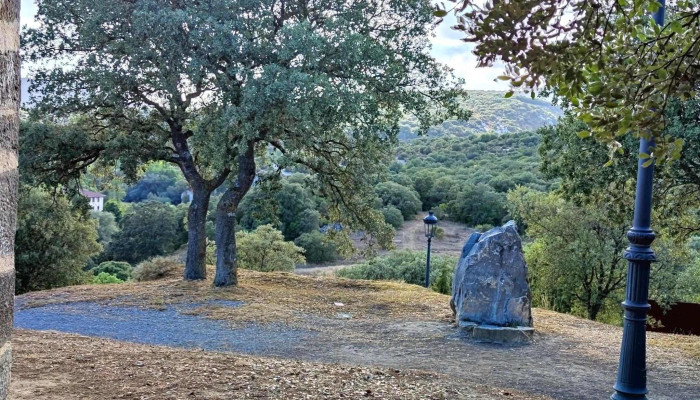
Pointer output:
x,y
430,223
632,374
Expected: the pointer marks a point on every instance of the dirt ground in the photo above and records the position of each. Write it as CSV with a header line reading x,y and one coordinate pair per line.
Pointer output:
x,y
411,236
56,366
382,326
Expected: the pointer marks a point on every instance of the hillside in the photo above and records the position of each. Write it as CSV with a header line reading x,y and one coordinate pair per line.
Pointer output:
x,y
279,335
493,113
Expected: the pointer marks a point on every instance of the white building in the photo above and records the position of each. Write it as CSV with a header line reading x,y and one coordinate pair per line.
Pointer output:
x,y
97,200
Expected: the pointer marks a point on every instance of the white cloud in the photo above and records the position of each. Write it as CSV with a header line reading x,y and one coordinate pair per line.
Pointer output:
x,y
28,12
451,50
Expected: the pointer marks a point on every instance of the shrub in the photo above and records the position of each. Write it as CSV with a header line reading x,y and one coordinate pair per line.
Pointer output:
x,y
122,270
265,250
439,233
150,229
104,278
483,228
157,268
477,205
406,266
401,197
317,247
54,241
393,216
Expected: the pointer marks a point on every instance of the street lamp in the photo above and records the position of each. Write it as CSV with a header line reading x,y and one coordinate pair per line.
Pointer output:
x,y
632,372
430,223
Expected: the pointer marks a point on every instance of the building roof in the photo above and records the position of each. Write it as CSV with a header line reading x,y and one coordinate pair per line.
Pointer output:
x,y
91,195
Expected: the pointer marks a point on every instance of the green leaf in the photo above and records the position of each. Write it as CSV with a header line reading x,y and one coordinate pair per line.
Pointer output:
x,y
509,94
440,13
595,88
648,163
503,78
583,134
676,27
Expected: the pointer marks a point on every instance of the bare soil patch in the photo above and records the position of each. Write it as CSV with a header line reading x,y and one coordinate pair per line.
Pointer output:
x,y
53,366
411,236
398,326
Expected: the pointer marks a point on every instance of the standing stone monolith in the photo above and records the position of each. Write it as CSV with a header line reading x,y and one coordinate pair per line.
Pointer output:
x,y
491,287
9,127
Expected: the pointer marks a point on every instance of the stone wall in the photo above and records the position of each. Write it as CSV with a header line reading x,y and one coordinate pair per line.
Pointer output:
x,y
9,125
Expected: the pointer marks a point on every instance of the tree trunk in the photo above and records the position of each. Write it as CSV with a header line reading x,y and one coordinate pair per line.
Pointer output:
x,y
9,176
593,310
226,253
195,266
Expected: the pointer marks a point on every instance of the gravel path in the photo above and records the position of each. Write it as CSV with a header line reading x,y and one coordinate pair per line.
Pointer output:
x,y
172,326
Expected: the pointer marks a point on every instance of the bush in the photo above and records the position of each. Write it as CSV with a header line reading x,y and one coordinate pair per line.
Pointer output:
x,y
157,268
150,229
54,241
439,233
317,247
392,216
265,250
406,266
104,278
122,270
401,197
478,205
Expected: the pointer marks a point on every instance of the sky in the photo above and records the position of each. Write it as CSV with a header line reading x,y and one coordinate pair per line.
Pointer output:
x,y
447,49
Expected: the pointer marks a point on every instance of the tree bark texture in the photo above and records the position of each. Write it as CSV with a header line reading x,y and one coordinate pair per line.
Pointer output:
x,y
226,253
9,128
195,265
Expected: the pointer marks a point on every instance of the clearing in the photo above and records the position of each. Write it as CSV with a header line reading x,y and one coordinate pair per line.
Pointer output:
x,y
282,335
411,236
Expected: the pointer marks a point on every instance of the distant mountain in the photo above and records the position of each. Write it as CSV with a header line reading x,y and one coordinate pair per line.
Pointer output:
x,y
492,113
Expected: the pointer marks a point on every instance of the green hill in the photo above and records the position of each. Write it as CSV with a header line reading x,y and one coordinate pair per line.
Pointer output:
x,y
492,113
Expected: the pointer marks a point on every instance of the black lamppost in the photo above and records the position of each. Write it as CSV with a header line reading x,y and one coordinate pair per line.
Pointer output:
x,y
632,373
430,223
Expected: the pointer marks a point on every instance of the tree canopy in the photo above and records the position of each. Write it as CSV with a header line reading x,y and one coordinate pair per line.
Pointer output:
x,y
608,59
214,85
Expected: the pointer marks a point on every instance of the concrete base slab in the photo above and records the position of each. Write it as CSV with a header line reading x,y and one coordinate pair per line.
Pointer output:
x,y
467,326
503,334
496,334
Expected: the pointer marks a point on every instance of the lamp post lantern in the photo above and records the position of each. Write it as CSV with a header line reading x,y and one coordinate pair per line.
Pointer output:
x,y
430,223
632,374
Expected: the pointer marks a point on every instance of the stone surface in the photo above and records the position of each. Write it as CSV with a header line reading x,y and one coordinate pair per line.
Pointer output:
x,y
491,281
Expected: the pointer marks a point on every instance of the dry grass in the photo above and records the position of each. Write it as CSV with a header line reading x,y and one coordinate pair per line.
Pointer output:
x,y
387,317
53,366
271,296
288,298
602,339
268,297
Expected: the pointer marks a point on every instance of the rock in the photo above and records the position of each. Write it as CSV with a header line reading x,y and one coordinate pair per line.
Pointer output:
x,y
491,284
